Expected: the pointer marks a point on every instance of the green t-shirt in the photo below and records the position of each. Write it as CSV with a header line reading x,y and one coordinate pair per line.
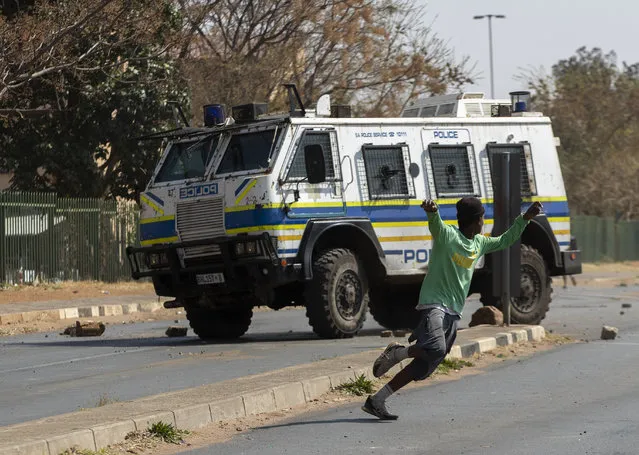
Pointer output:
x,y
453,258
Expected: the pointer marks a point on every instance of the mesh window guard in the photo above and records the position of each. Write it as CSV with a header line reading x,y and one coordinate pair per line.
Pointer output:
x,y
528,186
454,173
387,171
297,169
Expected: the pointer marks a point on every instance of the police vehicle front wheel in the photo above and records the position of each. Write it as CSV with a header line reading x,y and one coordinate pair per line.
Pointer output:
x,y
337,297
535,294
214,324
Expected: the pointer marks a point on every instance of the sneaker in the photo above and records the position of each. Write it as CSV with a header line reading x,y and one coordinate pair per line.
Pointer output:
x,y
386,360
377,409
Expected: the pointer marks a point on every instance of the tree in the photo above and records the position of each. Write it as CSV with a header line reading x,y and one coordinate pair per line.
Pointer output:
x,y
594,106
96,105
103,70
376,54
75,36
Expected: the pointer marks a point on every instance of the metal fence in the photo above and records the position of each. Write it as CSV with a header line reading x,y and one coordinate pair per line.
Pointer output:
x,y
47,238
604,239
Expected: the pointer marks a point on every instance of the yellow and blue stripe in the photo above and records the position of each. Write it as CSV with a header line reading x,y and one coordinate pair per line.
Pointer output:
x,y
153,201
383,214
242,190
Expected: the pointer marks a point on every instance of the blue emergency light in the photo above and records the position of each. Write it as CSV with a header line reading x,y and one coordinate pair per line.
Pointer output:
x,y
519,101
214,115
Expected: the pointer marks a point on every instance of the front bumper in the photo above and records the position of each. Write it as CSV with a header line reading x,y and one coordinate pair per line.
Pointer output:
x,y
241,274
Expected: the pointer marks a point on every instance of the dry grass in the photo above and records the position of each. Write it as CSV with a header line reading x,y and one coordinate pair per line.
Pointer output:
x,y
69,290
612,267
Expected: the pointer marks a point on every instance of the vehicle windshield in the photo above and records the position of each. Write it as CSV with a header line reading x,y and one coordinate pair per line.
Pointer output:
x,y
249,151
187,160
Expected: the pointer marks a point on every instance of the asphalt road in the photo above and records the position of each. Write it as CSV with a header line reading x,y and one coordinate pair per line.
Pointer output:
x,y
578,399
48,374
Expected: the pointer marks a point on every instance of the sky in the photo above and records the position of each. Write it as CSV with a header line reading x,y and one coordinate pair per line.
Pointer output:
x,y
535,34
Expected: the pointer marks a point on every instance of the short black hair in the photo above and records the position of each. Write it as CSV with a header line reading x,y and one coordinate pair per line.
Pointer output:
x,y
469,210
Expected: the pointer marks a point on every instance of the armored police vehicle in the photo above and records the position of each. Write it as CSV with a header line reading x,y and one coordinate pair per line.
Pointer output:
x,y
314,208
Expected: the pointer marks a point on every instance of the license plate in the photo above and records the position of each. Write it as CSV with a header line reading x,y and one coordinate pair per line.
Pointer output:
x,y
210,278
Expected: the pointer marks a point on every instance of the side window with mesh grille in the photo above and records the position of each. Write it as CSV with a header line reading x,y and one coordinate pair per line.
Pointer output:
x,y
298,166
387,175
453,169
527,172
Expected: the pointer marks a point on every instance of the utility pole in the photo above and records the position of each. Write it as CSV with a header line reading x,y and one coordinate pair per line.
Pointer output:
x,y
490,46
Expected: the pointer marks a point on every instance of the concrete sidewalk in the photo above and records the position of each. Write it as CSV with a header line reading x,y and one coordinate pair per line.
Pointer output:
x,y
251,395
54,310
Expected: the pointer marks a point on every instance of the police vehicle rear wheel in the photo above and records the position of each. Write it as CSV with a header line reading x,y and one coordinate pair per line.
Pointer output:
x,y
337,297
393,306
211,324
536,289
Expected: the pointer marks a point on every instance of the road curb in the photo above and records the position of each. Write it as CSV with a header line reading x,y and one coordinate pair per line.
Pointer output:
x,y
86,311
280,397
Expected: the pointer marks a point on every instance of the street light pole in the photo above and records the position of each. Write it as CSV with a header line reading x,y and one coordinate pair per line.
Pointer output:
x,y
490,46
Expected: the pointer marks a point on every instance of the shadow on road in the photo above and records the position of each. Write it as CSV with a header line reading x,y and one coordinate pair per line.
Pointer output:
x,y
371,420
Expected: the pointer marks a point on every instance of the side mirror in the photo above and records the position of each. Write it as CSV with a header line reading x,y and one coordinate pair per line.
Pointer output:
x,y
315,164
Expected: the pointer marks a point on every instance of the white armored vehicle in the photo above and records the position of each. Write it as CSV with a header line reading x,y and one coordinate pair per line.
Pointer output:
x,y
318,209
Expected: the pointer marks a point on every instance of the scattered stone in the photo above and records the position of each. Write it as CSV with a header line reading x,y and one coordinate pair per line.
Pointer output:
x,y
626,305
622,313
85,329
175,331
609,333
176,321
487,315
401,332
386,333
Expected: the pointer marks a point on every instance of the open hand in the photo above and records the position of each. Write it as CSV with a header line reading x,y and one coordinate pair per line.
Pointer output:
x,y
429,206
533,210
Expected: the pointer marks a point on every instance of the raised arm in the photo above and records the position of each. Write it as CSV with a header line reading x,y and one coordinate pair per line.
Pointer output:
x,y
436,226
492,244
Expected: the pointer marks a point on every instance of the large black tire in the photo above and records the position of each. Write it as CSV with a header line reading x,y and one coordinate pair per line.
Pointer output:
x,y
393,306
536,290
212,324
337,297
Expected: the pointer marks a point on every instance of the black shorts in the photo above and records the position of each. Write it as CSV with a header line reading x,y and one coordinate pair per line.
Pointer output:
x,y
435,335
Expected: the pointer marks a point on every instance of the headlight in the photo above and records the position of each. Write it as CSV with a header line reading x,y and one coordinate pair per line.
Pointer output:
x,y
246,248
156,260
251,247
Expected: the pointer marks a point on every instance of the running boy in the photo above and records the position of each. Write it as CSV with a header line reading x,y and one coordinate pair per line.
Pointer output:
x,y
443,294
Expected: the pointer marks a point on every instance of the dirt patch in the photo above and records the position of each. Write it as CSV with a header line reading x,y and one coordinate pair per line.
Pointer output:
x,y
611,267
603,275
70,290
59,326
223,431
162,314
